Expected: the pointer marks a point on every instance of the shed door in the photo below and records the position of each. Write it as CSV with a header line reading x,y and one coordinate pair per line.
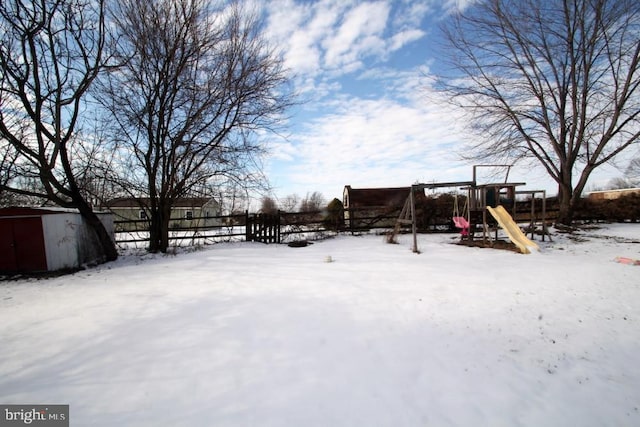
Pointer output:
x,y
22,245
8,260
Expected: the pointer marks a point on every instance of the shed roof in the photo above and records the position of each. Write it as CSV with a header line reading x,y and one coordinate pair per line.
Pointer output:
x,y
137,202
33,211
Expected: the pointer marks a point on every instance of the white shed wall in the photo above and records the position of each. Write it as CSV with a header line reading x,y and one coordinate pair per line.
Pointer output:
x,y
61,240
69,242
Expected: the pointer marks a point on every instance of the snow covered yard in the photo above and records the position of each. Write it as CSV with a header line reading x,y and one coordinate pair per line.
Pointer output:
x,y
245,334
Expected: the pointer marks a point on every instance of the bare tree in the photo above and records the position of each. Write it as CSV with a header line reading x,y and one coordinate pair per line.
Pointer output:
x,y
633,170
312,202
552,81
198,83
232,196
50,53
620,183
268,205
290,202
8,157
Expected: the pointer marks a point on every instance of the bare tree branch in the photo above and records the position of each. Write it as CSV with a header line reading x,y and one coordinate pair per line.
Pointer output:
x,y
51,51
555,81
198,83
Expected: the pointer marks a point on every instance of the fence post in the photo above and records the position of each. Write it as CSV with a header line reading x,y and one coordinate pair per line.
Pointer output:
x,y
247,226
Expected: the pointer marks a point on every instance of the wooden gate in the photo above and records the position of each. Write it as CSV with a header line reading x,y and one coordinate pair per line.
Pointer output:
x,y
263,228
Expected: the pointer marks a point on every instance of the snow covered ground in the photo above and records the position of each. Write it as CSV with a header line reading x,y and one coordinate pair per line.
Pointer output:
x,y
245,334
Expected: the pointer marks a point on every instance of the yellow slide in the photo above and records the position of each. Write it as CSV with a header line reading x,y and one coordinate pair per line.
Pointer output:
x,y
511,228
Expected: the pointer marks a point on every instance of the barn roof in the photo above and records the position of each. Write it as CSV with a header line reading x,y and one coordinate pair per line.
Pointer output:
x,y
376,197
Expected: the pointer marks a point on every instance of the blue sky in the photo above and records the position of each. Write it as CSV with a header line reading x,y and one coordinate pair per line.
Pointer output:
x,y
369,117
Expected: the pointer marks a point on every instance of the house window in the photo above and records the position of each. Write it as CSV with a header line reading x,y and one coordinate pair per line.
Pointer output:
x,y
189,215
142,214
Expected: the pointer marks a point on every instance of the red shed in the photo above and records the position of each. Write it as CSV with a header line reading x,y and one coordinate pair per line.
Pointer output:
x,y
47,239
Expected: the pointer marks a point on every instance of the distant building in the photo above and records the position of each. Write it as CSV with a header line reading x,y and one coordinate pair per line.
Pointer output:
x,y
612,194
367,207
186,212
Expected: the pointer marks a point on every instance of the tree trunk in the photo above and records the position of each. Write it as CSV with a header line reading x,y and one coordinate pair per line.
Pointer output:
x,y
104,239
565,201
155,230
164,230
159,228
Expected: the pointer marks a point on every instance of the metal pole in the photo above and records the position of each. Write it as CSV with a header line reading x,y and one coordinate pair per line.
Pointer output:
x,y
471,226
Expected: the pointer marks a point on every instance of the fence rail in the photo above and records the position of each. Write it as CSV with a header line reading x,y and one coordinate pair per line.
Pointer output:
x,y
277,228
283,227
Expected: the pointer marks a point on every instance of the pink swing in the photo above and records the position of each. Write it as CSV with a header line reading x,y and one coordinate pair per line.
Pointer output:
x,y
459,220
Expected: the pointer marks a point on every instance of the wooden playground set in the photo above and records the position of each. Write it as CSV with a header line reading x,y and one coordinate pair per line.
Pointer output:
x,y
487,208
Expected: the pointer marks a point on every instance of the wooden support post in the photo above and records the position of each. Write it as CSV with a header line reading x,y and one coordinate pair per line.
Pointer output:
x,y
414,224
485,226
532,223
544,216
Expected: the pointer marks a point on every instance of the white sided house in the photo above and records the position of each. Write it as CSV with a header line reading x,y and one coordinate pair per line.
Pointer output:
x,y
48,239
186,212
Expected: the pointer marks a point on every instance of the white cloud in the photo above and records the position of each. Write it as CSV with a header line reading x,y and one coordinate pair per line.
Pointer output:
x,y
330,38
404,134
359,34
302,56
411,13
458,5
379,142
404,37
284,18
285,27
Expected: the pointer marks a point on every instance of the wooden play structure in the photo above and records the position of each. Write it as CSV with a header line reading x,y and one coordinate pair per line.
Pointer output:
x,y
487,208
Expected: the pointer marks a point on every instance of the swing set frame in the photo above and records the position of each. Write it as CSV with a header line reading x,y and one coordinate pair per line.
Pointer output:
x,y
479,196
